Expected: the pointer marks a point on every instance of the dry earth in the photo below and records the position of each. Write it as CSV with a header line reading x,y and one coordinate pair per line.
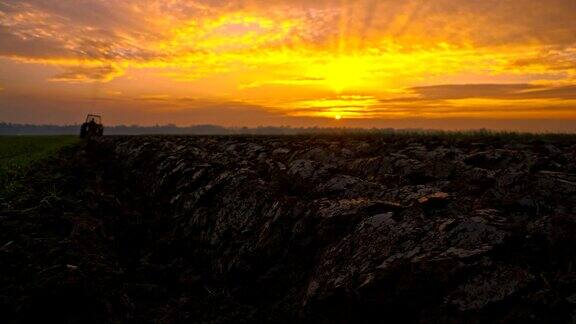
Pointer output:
x,y
357,229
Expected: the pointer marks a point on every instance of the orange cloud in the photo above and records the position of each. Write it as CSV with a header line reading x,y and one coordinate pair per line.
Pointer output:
x,y
79,74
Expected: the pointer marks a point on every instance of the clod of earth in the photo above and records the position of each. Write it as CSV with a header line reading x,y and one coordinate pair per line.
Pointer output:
x,y
298,229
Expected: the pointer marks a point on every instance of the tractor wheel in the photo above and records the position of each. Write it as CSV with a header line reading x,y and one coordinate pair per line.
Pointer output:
x,y
84,130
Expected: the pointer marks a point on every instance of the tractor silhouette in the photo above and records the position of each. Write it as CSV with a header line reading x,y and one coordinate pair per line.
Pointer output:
x,y
92,127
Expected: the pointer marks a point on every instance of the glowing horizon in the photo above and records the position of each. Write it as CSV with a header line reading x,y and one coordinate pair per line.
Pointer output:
x,y
331,62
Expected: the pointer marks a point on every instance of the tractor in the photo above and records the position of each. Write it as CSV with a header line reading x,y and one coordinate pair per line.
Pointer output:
x,y
92,127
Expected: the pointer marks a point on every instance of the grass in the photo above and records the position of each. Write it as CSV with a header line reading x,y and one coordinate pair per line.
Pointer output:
x,y
19,153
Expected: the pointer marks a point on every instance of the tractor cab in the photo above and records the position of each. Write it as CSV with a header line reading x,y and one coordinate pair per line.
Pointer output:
x,y
92,127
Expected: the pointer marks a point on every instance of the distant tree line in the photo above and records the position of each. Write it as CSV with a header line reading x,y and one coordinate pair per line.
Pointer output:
x,y
27,129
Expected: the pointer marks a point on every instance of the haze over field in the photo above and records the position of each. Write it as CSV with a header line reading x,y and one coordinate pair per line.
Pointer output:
x,y
352,63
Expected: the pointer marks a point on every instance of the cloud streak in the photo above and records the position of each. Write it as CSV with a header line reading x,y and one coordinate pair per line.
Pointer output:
x,y
495,91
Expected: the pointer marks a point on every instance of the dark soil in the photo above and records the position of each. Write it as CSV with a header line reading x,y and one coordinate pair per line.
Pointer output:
x,y
294,229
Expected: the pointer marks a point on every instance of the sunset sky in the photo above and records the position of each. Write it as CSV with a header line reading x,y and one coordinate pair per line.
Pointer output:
x,y
506,64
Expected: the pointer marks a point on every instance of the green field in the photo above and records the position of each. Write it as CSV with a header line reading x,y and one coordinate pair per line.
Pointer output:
x,y
18,153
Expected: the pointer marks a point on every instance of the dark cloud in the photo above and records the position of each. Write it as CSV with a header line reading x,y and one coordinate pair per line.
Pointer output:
x,y
88,74
494,91
39,48
463,91
553,58
563,93
83,29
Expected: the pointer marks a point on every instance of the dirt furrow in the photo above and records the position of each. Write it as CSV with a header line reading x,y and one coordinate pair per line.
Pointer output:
x,y
286,229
